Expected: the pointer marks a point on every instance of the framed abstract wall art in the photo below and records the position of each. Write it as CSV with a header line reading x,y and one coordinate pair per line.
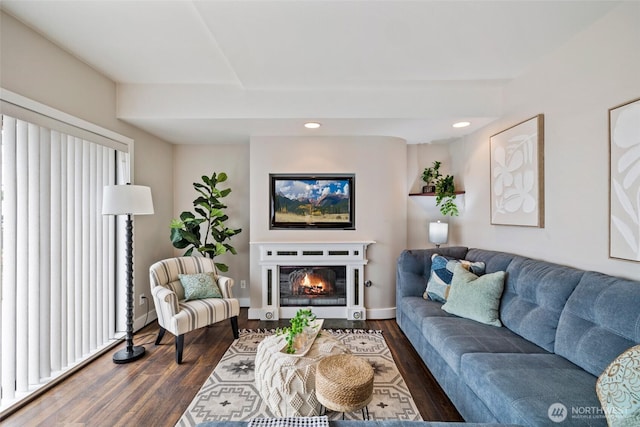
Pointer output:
x,y
624,177
517,174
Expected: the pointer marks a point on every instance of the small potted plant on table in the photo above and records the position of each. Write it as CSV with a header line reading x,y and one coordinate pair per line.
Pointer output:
x,y
303,330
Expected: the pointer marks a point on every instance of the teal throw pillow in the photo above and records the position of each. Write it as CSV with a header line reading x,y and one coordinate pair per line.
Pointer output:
x,y
442,273
200,285
618,389
476,297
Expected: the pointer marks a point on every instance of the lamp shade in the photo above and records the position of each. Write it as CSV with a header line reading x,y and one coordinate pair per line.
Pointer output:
x,y
127,200
438,232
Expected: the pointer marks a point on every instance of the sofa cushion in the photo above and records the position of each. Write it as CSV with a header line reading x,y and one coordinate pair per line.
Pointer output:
x,y
453,337
442,273
475,297
493,261
535,294
419,308
199,313
533,389
600,321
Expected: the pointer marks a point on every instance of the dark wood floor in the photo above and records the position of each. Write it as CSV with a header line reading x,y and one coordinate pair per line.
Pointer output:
x,y
155,391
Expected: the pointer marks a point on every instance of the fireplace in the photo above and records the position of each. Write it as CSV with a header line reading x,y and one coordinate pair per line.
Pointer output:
x,y
313,285
328,277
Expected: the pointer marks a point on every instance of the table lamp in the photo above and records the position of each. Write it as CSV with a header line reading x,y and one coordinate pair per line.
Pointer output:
x,y
438,233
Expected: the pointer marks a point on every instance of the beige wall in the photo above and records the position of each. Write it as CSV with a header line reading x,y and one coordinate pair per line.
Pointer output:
x,y
379,164
36,68
573,88
191,162
420,209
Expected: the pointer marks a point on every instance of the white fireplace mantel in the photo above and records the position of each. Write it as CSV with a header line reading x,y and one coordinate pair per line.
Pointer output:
x,y
273,255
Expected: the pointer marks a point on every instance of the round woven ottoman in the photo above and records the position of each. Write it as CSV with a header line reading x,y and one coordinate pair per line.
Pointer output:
x,y
344,383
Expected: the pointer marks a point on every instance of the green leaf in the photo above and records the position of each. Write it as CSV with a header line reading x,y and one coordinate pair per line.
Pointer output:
x,y
209,181
184,216
222,267
220,249
193,223
216,214
200,211
191,237
202,201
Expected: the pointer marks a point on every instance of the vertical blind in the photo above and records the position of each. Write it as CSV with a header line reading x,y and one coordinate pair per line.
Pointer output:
x,y
58,253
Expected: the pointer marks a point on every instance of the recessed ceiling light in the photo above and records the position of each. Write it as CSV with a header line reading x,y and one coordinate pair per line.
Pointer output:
x,y
312,125
461,124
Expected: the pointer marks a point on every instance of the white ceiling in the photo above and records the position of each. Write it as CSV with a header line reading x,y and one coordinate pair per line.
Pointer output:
x,y
205,71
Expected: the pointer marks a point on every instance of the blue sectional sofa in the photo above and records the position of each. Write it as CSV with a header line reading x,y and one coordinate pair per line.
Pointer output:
x,y
561,328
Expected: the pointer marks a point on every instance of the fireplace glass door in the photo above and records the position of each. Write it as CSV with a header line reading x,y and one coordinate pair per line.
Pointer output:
x,y
313,286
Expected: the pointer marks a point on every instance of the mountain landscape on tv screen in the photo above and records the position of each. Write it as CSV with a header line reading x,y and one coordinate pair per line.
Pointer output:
x,y
319,205
331,203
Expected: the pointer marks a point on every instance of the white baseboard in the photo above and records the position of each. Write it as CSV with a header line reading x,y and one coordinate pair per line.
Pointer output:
x,y
138,323
255,313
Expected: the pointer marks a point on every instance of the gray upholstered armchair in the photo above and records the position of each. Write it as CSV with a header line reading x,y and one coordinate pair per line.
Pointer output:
x,y
179,316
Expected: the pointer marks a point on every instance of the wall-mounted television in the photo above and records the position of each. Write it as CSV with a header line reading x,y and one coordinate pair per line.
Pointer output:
x,y
312,201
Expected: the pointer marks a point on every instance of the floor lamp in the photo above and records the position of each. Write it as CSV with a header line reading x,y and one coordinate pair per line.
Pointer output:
x,y
128,200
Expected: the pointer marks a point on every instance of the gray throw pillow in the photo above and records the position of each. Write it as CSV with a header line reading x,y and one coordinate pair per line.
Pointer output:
x,y
476,297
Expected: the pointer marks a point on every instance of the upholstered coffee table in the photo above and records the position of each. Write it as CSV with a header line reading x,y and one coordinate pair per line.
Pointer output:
x,y
287,382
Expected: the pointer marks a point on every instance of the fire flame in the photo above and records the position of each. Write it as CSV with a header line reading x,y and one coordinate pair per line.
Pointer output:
x,y
315,284
312,284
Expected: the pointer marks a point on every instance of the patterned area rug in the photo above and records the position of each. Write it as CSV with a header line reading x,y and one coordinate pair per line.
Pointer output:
x,y
230,393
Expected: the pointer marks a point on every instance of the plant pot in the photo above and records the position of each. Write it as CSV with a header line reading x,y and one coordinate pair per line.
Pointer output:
x,y
429,189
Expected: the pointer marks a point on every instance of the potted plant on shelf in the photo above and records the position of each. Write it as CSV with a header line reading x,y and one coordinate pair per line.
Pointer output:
x,y
430,176
300,331
443,187
186,232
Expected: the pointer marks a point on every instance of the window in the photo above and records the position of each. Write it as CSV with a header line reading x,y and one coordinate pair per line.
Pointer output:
x,y
58,252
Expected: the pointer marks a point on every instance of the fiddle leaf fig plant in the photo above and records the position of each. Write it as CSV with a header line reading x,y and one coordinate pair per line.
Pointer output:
x,y
444,189
187,232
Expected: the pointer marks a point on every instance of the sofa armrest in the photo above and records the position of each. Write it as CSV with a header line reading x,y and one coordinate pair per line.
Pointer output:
x,y
225,284
414,267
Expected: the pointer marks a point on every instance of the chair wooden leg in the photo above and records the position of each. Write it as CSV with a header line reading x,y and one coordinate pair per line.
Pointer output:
x,y
179,347
160,335
234,327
